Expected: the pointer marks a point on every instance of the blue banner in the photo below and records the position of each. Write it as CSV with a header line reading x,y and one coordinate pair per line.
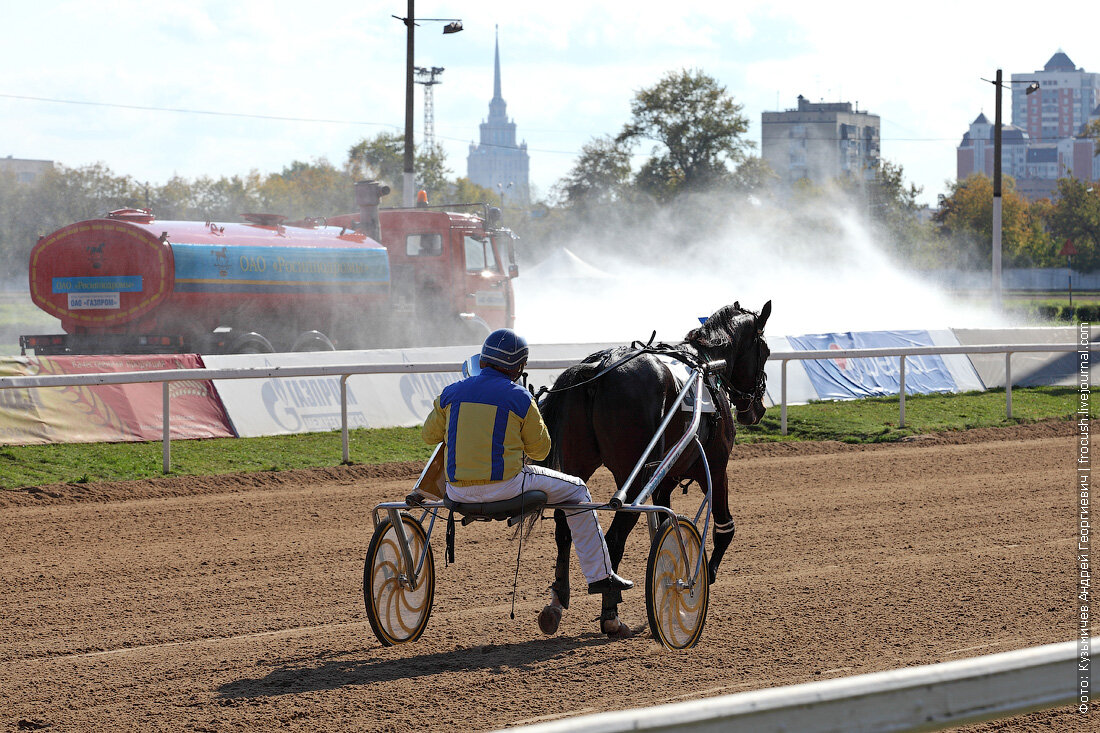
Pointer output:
x,y
98,284
843,378
206,268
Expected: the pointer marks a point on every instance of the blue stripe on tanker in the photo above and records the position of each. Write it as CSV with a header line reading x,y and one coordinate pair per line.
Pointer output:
x,y
206,268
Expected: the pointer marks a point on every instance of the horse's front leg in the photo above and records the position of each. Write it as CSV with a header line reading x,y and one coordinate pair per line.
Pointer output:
x,y
723,521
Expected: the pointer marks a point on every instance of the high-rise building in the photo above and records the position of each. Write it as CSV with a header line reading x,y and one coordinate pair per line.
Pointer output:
x,y
496,162
975,152
1067,97
821,141
24,171
1044,141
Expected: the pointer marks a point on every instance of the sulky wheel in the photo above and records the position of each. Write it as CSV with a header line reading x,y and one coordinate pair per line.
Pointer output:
x,y
676,615
397,612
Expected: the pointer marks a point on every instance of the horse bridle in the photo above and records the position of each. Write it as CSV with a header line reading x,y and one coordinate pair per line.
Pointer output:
x,y
757,394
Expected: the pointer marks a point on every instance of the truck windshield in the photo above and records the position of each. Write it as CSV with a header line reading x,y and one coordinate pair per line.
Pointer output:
x,y
479,255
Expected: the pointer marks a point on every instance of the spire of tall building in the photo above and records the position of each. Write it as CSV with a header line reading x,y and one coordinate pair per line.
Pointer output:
x,y
497,162
496,65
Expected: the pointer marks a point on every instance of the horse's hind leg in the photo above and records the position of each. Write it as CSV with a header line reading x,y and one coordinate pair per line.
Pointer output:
x,y
564,540
617,533
550,616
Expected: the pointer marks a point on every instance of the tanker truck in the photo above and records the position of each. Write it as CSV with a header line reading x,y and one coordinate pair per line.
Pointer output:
x,y
129,283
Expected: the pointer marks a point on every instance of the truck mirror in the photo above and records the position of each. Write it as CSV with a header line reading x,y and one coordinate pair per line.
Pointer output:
x,y
513,270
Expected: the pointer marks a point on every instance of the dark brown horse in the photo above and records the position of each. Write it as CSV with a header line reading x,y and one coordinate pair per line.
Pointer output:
x,y
609,418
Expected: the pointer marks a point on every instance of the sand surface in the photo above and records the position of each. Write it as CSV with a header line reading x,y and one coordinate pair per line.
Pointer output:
x,y
230,603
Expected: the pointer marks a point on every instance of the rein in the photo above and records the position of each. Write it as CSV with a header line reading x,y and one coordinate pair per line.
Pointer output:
x,y
678,353
639,349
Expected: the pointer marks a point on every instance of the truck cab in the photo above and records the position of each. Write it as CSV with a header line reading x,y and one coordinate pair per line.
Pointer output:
x,y
450,271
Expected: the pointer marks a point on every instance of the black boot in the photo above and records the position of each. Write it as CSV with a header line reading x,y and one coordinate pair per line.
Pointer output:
x,y
611,582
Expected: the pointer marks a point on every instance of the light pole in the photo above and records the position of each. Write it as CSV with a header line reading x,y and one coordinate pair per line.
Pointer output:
x,y
501,188
1032,86
408,188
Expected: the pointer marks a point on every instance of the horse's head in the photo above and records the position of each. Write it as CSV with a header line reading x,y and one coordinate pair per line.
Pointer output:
x,y
737,335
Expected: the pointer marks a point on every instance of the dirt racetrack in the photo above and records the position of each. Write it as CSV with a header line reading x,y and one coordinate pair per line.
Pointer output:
x,y
232,603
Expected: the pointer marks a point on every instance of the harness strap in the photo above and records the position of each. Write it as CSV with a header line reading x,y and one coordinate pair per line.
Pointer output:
x,y
639,349
449,555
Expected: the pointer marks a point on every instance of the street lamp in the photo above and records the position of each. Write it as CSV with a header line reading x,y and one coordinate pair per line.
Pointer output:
x,y
501,188
999,84
454,25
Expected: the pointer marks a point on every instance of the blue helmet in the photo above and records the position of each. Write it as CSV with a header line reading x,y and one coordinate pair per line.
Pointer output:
x,y
504,349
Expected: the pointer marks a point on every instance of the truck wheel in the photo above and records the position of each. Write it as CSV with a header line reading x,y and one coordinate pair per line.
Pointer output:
x,y
313,341
251,343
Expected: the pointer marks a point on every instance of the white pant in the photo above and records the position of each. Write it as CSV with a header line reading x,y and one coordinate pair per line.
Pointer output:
x,y
560,488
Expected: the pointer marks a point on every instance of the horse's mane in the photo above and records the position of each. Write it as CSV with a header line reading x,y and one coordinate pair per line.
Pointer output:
x,y
721,331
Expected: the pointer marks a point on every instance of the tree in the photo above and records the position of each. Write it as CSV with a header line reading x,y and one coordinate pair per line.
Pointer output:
x,y
382,158
465,191
754,177
1092,130
308,189
1075,216
967,218
601,175
697,129
59,197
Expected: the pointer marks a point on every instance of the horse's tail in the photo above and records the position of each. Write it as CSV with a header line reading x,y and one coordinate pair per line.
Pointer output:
x,y
554,404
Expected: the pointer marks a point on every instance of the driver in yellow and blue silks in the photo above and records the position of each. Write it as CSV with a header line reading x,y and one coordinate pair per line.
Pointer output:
x,y
488,422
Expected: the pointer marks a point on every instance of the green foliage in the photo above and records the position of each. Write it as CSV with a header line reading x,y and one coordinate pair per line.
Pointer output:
x,y
1093,131
83,462
382,158
696,128
600,177
1075,216
465,191
966,219
875,420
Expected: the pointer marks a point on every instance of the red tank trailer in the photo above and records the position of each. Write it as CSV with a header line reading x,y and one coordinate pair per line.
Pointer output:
x,y
129,283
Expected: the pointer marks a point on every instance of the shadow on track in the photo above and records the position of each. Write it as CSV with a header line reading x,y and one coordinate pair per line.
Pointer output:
x,y
317,674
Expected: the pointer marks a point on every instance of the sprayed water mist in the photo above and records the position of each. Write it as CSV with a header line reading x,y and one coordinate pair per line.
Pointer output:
x,y
822,268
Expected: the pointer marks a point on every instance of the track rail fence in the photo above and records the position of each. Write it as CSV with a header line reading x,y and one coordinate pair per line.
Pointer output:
x,y
929,697
344,371
903,353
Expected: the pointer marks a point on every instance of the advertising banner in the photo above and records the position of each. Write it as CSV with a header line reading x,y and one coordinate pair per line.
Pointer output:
x,y
1028,368
312,404
844,378
106,413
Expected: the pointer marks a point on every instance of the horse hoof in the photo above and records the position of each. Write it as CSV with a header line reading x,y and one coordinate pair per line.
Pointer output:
x,y
549,619
615,629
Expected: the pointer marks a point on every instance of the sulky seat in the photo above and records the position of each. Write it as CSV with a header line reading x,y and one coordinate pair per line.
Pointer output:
x,y
511,510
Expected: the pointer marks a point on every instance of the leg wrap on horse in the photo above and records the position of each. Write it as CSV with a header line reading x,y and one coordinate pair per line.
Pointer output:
x,y
727,528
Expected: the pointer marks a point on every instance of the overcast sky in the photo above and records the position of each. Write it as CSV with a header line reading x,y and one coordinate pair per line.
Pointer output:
x,y
570,69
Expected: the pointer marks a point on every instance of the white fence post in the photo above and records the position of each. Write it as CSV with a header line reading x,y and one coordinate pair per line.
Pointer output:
x,y
783,398
166,427
901,392
1008,385
344,415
